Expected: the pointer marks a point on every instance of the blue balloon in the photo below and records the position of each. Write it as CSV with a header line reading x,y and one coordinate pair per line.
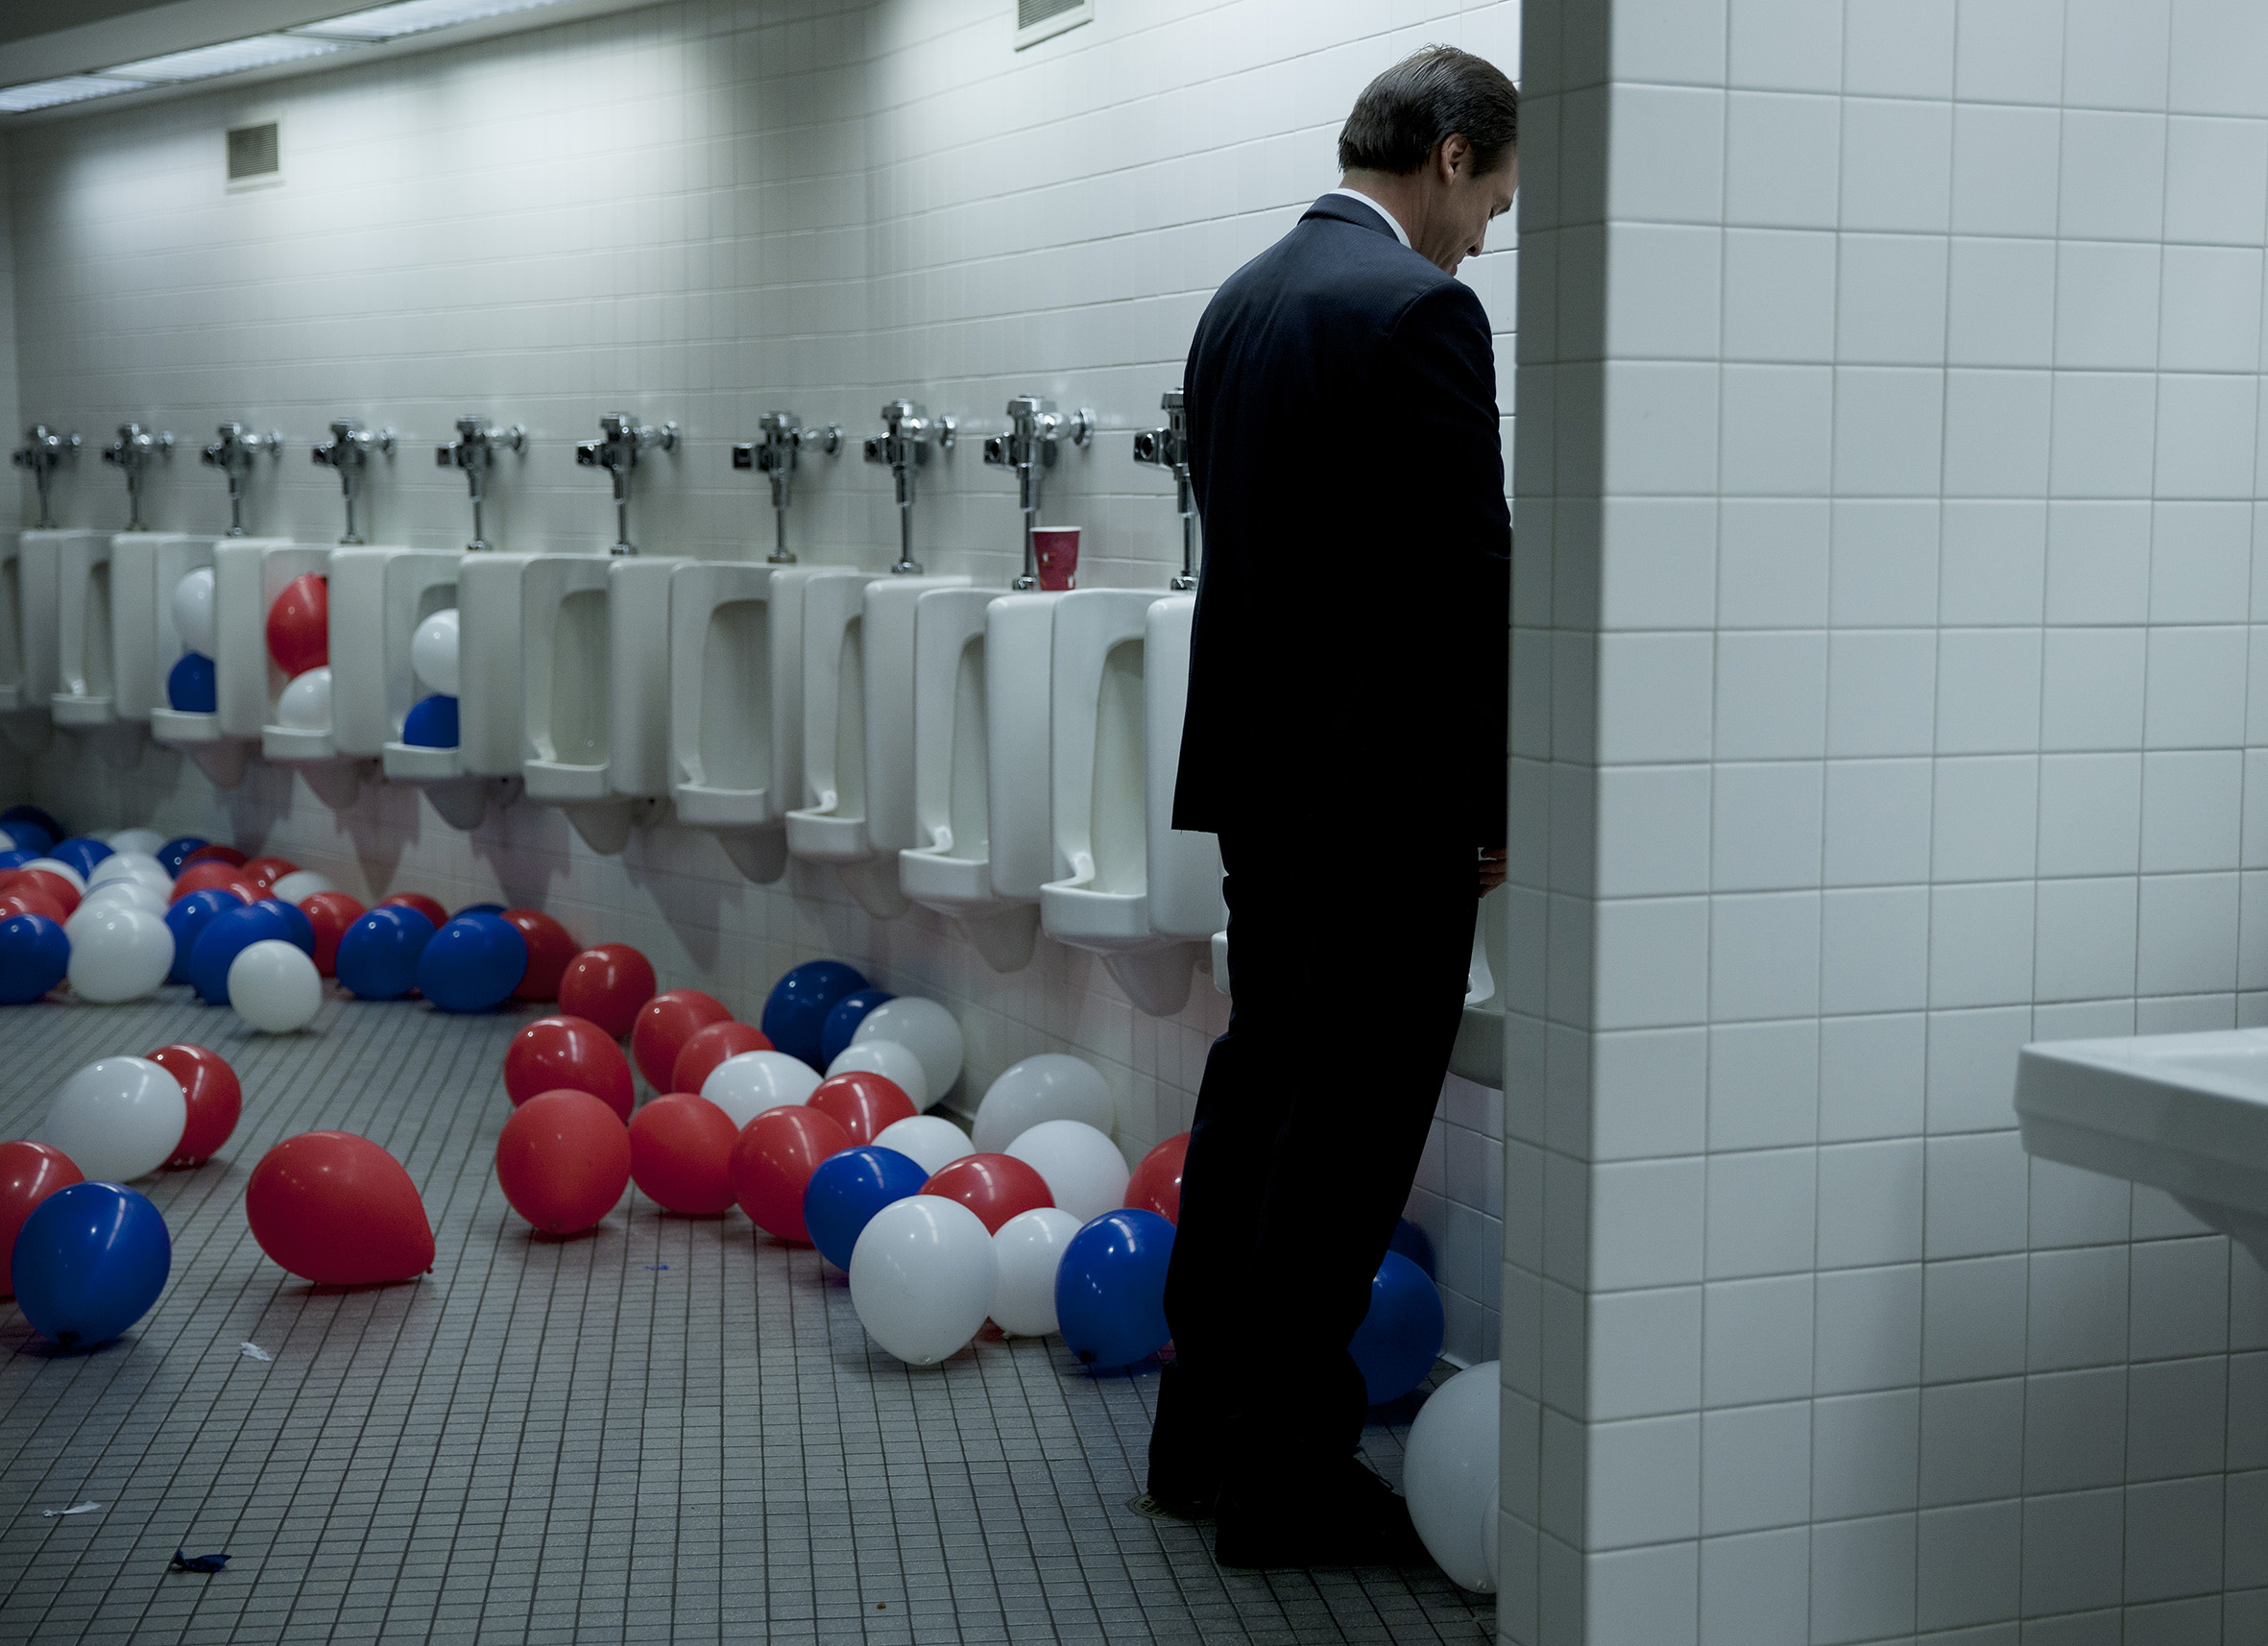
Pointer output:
x,y
227,936
1110,1289
483,908
298,930
38,817
187,919
17,859
1400,1338
171,854
431,723
82,852
88,1263
33,957
379,954
848,1188
843,1020
795,1011
192,687
35,841
1413,1243
472,963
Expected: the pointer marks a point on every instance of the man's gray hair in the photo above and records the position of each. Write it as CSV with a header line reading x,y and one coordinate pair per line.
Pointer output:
x,y
1431,94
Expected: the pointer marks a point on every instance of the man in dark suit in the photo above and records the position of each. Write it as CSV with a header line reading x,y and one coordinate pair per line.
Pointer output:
x,y
1345,738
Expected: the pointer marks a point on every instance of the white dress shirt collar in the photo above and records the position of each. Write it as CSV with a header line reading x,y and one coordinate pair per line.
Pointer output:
x,y
1391,222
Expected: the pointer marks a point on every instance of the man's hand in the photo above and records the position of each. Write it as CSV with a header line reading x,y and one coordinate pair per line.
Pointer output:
x,y
1492,868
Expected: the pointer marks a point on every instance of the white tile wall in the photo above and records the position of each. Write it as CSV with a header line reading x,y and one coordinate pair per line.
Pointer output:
x,y
1963,687
700,210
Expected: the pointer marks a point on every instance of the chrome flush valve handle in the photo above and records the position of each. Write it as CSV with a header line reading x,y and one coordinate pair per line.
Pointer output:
x,y
232,454
783,437
43,452
904,445
624,438
1035,427
474,451
348,453
132,453
1167,447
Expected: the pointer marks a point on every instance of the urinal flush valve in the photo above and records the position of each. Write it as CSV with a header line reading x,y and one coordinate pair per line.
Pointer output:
x,y
474,450
232,454
783,438
618,454
132,453
44,451
348,451
1167,447
903,444
1035,428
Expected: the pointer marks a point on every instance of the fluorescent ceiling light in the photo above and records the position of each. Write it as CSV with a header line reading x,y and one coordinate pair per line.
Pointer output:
x,y
412,18
70,89
230,57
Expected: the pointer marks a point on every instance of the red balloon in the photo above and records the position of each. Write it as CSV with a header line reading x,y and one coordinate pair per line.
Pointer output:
x,y
46,883
298,625
563,1161
30,1173
1156,1183
420,901
26,897
680,1154
228,854
706,1048
569,1051
338,1210
663,1027
550,949
862,1102
210,877
330,913
607,985
215,1099
772,1165
265,872
995,1187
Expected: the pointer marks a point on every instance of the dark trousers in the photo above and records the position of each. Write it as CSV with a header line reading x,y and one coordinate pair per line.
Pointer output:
x,y
1348,985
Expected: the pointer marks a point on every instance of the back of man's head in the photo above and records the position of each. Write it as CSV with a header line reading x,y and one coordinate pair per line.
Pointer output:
x,y
1435,91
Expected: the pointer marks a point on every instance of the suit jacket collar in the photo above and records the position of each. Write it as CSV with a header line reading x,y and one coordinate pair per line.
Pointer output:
x,y
1361,213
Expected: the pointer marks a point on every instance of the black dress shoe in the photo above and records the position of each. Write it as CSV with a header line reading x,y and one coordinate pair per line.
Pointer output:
x,y
1351,1518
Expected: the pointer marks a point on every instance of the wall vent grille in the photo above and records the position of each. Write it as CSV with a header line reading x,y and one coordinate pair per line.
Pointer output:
x,y
1037,20
255,156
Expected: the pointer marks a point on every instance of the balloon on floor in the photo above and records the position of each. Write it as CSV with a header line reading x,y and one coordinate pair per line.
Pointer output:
x,y
1029,1249
1052,1085
862,1104
680,1154
1401,1335
1449,1475
563,1161
775,1161
890,1060
211,1094
1085,1172
1110,1290
995,1187
607,983
927,1031
89,1262
663,1027
1156,1183
572,1052
29,1172
795,1012
337,1209
932,1140
118,1118
921,1277
846,1191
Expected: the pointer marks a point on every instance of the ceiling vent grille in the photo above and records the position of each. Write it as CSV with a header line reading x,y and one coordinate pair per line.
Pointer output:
x,y
1037,20
255,155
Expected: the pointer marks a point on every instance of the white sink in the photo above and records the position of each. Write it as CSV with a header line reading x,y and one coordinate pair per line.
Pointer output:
x,y
2185,1113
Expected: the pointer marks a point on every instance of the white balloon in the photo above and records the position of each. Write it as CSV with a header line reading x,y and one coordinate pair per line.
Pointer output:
x,y
192,611
273,985
130,866
146,841
305,703
921,1277
126,893
924,1029
754,1081
931,1141
1028,1248
433,652
119,1119
1053,1085
1449,1475
890,1060
61,870
118,951
301,884
1085,1172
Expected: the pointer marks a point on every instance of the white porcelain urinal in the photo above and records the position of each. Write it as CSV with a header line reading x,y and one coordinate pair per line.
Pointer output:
x,y
1184,867
137,682
858,672
86,698
981,662
1479,1052
594,705
1100,897
249,681
220,754
28,679
724,770
490,740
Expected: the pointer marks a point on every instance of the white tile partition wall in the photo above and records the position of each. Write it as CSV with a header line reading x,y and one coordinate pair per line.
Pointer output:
x,y
1886,695
698,211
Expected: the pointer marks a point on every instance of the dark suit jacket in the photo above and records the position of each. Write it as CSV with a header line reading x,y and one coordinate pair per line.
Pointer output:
x,y
1349,662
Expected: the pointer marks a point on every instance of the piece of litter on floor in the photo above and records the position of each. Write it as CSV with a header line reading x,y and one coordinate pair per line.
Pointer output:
x,y
254,1351
75,1508
657,1266
198,1563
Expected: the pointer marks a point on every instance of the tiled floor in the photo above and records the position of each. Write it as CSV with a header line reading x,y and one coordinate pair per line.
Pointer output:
x,y
673,1429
